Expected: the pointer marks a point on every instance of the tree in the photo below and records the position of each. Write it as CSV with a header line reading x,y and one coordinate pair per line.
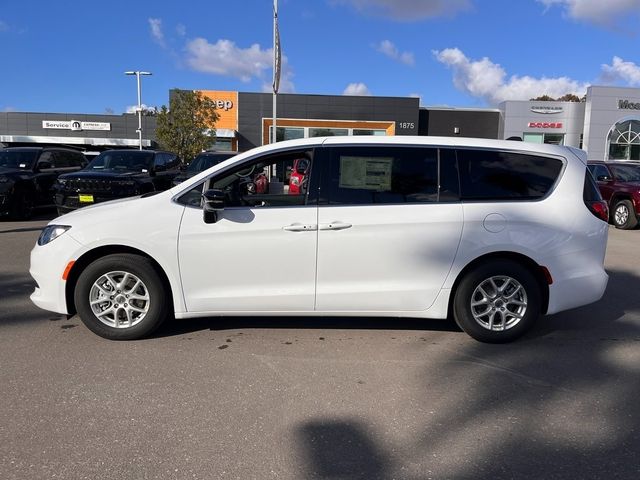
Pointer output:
x,y
569,97
187,127
543,98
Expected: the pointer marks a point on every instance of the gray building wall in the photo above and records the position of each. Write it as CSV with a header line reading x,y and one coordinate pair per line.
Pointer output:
x,y
23,124
253,107
518,114
443,122
602,113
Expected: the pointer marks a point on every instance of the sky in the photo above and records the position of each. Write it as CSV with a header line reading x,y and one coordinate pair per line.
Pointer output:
x,y
70,56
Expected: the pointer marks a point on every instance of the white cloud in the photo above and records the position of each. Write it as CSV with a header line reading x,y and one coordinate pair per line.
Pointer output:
x,y
156,31
602,12
8,109
144,108
487,80
390,50
181,30
619,70
4,27
225,58
409,10
357,89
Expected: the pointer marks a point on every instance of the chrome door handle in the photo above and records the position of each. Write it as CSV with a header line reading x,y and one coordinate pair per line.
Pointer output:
x,y
299,227
334,226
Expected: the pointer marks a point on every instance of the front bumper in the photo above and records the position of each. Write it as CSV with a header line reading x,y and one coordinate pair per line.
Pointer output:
x,y
47,266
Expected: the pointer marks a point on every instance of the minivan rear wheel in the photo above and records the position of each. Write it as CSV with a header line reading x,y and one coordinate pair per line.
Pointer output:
x,y
624,216
498,301
121,297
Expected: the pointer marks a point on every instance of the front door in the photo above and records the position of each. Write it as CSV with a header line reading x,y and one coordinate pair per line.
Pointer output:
x,y
389,229
260,254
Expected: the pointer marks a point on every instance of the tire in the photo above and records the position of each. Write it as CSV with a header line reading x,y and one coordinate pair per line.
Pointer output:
x,y
503,312
22,205
111,283
624,215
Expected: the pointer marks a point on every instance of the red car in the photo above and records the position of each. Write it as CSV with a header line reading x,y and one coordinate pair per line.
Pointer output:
x,y
619,183
297,179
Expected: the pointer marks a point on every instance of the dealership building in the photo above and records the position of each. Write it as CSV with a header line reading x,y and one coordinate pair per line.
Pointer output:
x,y
606,124
85,132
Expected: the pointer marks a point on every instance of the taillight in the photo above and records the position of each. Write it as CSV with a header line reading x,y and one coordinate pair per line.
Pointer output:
x,y
599,209
592,198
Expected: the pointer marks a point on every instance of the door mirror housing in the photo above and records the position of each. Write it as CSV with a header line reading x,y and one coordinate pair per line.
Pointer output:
x,y
213,202
44,165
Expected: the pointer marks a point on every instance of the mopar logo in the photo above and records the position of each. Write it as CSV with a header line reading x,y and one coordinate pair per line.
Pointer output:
x,y
627,105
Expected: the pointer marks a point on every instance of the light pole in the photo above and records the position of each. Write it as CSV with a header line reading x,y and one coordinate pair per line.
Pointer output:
x,y
137,74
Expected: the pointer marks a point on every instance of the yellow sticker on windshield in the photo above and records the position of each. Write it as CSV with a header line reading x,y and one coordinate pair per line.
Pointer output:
x,y
85,198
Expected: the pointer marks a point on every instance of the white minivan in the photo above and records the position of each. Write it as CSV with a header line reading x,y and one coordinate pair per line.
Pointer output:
x,y
490,233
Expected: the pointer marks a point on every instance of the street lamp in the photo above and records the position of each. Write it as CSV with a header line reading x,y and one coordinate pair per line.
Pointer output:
x,y
137,74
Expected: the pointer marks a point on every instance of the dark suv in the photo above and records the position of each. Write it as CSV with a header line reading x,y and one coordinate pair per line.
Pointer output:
x,y
28,176
203,161
619,184
116,174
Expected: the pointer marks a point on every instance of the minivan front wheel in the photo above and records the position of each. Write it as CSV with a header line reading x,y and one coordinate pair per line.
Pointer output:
x,y
624,216
121,297
498,301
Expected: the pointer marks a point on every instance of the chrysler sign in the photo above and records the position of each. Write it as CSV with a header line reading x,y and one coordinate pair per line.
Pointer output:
x,y
75,125
545,125
627,105
546,109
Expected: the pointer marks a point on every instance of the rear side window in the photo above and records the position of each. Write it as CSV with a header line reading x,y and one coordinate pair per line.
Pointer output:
x,y
383,175
495,175
598,170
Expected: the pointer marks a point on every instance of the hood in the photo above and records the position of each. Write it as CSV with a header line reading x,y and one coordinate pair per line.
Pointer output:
x,y
184,176
104,175
13,172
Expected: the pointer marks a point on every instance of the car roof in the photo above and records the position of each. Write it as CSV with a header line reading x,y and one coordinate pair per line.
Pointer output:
x,y
410,140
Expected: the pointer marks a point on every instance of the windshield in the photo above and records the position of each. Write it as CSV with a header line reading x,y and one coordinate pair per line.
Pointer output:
x,y
626,173
122,161
23,159
206,160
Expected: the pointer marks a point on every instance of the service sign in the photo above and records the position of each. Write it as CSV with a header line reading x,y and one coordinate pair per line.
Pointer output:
x,y
75,125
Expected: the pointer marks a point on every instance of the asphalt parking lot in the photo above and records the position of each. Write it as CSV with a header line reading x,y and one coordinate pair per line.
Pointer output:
x,y
259,398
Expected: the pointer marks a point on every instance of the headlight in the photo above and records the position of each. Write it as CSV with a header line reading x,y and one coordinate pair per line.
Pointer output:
x,y
51,232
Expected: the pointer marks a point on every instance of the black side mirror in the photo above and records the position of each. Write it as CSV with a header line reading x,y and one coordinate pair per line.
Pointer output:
x,y
213,203
604,178
44,165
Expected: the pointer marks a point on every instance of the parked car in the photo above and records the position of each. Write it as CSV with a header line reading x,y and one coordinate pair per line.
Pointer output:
x,y
28,174
116,174
619,184
494,233
202,161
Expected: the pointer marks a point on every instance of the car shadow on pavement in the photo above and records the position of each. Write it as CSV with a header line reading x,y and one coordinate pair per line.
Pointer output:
x,y
560,403
181,327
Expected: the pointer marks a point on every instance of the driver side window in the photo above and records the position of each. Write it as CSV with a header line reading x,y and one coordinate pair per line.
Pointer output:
x,y
279,180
